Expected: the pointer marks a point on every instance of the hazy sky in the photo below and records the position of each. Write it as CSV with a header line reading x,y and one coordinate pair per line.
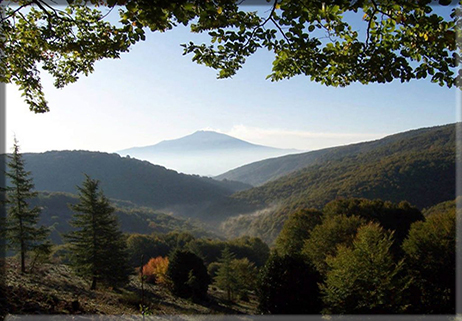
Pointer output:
x,y
155,93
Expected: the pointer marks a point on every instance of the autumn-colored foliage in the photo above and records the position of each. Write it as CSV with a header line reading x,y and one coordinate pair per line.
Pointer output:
x,y
155,270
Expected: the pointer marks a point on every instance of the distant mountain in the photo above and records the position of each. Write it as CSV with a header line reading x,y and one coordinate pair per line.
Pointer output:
x,y
261,172
128,179
204,153
417,166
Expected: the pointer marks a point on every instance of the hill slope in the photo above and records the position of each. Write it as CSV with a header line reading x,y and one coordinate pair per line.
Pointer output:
x,y
416,168
204,153
128,179
259,173
54,290
55,213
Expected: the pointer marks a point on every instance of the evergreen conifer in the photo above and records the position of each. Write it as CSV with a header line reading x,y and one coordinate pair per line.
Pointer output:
x,y
97,246
226,277
22,233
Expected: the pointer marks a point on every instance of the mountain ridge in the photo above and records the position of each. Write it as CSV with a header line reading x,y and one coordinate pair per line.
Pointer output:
x,y
201,137
418,167
204,153
261,172
125,178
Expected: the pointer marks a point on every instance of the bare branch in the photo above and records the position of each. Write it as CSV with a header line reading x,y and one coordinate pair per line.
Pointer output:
x,y
288,42
263,23
281,31
107,13
369,24
15,11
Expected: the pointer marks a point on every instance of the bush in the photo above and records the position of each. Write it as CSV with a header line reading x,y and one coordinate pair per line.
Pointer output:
x,y
155,270
60,254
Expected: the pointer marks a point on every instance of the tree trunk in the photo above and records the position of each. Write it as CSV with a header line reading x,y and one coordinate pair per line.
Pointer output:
x,y
23,247
23,261
93,283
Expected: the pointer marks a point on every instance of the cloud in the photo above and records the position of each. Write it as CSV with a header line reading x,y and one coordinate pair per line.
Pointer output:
x,y
303,140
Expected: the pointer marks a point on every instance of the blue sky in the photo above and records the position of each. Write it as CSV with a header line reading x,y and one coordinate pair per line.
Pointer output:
x,y
155,93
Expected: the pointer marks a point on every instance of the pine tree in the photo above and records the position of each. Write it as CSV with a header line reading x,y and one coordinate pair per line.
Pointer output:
x,y
22,233
226,278
97,246
246,275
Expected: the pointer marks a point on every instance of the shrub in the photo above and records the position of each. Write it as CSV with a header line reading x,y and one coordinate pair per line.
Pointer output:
x,y
155,270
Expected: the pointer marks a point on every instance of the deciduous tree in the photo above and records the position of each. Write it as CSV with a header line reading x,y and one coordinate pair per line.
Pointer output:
x,y
246,275
332,42
296,230
149,246
326,237
430,251
155,270
288,285
363,278
396,217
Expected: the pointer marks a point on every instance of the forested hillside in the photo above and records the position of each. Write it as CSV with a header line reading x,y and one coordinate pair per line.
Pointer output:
x,y
267,170
126,178
56,213
381,219
419,169
416,166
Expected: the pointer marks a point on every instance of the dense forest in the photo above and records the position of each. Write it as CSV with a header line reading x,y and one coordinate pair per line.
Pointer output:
x,y
419,167
371,232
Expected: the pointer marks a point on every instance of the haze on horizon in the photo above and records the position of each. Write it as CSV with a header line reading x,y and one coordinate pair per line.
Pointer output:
x,y
205,153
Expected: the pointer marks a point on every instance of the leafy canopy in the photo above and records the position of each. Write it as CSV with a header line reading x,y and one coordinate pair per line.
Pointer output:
x,y
430,250
296,230
364,278
325,239
288,285
335,43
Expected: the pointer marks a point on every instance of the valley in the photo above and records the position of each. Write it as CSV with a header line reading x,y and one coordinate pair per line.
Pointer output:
x,y
416,166
311,170
393,185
